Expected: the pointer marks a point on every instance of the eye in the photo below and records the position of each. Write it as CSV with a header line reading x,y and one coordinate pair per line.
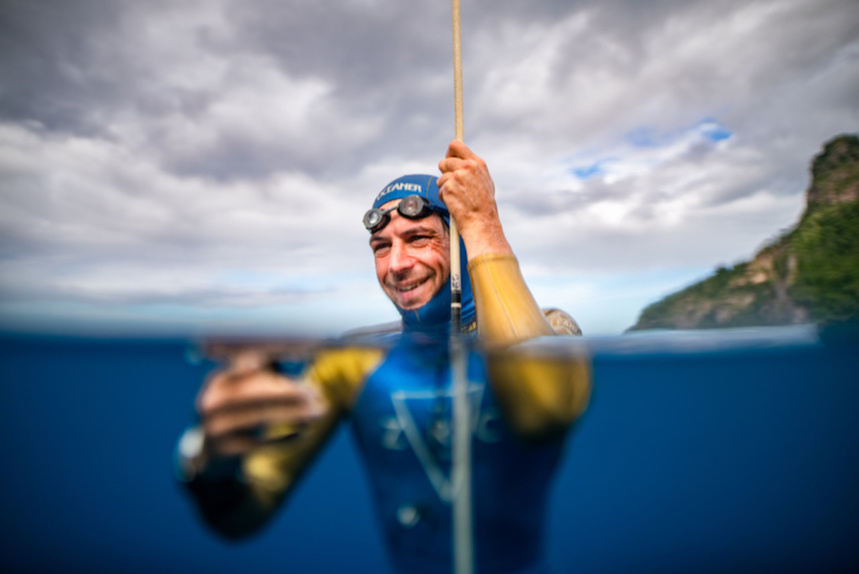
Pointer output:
x,y
419,240
380,248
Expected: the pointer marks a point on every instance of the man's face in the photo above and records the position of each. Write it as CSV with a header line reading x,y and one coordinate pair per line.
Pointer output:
x,y
412,258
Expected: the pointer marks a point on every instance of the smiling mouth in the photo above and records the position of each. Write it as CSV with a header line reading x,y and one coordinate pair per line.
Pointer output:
x,y
409,287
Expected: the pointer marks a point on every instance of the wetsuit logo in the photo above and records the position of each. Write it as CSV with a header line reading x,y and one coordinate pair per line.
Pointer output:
x,y
432,445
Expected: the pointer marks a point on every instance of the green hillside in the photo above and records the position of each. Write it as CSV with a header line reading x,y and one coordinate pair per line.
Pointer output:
x,y
809,274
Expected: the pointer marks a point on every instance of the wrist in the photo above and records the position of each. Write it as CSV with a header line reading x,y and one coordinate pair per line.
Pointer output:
x,y
484,238
192,463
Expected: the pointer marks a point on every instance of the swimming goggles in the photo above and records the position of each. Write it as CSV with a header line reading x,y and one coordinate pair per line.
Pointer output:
x,y
410,207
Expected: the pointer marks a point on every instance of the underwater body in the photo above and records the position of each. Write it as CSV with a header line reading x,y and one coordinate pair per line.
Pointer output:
x,y
700,451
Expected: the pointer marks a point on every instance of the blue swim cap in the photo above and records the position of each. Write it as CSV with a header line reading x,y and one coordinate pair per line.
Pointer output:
x,y
434,317
423,185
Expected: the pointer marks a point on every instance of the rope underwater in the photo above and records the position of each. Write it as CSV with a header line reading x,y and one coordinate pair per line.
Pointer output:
x,y
463,549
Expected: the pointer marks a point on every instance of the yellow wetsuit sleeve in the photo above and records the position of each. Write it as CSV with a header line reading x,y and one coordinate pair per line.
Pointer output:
x,y
269,472
540,396
506,311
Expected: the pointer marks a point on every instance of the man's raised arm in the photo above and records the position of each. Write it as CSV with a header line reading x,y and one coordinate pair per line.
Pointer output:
x,y
506,311
539,398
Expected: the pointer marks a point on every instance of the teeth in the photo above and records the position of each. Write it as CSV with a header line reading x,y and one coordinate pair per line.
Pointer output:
x,y
405,288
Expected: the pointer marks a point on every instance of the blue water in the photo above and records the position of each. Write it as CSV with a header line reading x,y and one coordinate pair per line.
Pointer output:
x,y
707,452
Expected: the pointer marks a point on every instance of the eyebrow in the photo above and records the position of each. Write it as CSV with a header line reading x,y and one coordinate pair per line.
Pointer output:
x,y
415,230
421,229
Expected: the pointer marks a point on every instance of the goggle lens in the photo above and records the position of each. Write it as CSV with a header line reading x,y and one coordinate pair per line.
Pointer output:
x,y
413,207
373,218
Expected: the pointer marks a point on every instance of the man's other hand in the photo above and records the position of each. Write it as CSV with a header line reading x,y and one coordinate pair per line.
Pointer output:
x,y
239,406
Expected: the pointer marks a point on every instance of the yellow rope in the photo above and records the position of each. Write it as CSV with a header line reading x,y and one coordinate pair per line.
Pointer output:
x,y
456,284
463,548
457,72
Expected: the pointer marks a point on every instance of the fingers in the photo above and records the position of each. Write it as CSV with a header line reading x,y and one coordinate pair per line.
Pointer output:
x,y
465,184
232,388
254,416
242,363
259,398
458,149
460,166
247,361
238,405
459,162
460,157
468,191
238,432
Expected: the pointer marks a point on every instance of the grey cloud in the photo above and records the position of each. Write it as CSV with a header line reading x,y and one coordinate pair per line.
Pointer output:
x,y
93,66
60,60
541,202
363,47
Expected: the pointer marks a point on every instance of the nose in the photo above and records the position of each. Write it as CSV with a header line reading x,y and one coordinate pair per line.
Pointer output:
x,y
400,259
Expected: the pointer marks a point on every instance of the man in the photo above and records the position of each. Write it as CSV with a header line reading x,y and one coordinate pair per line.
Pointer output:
x,y
399,398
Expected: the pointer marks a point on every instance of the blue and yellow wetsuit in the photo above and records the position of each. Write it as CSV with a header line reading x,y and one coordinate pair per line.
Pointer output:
x,y
399,402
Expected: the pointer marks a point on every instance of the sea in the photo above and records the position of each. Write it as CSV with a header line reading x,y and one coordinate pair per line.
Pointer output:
x,y
707,451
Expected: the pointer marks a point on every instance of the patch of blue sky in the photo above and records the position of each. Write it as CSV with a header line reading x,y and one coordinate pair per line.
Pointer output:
x,y
714,131
595,169
648,137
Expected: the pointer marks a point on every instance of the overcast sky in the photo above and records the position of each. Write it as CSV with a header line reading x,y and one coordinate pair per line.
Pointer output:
x,y
190,165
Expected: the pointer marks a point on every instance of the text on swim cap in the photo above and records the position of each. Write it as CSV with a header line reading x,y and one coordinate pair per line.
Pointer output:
x,y
400,187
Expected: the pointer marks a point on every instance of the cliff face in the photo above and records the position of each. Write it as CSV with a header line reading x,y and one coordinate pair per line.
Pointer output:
x,y
810,273
834,174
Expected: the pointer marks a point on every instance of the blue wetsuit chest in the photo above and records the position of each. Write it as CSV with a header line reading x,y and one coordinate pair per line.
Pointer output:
x,y
402,423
